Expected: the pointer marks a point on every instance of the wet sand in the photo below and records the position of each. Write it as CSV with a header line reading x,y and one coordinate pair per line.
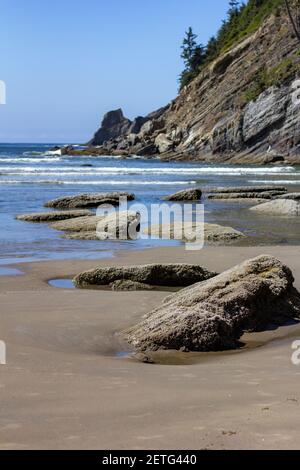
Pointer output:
x,y
66,385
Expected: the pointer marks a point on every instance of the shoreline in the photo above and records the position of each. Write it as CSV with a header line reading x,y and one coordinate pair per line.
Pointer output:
x,y
237,159
65,386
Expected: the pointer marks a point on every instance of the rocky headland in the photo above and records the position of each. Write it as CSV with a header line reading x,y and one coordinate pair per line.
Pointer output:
x,y
243,107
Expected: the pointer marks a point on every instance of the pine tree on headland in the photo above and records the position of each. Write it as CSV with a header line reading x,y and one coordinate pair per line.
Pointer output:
x,y
188,48
234,6
193,55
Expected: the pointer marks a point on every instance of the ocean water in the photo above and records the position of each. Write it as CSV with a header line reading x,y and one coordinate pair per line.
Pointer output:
x,y
30,176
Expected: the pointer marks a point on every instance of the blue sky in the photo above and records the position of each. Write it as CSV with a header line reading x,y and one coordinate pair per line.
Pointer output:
x,y
67,62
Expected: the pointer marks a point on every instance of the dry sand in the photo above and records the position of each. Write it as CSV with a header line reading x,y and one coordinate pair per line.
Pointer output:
x,y
64,387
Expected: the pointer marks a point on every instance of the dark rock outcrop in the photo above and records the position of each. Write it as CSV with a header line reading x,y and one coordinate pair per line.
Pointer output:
x,y
53,216
114,124
88,200
212,315
186,195
169,275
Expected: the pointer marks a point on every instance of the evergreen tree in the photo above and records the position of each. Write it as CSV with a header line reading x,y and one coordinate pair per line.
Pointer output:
x,y
193,55
234,6
189,49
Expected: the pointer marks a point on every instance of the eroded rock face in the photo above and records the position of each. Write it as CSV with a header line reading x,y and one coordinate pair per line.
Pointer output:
x,y
163,143
88,200
53,216
123,285
212,315
169,275
287,207
186,195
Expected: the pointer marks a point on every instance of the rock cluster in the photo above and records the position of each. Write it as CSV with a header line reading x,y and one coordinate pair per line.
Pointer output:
x,y
212,315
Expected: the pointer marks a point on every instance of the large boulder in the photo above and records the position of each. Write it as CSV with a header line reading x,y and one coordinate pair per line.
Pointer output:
x,y
120,225
212,315
99,227
168,275
213,233
53,216
137,124
186,195
288,207
88,200
163,143
114,125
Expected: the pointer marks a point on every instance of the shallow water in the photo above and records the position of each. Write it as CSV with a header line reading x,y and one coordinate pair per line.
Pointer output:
x,y
30,176
10,272
61,283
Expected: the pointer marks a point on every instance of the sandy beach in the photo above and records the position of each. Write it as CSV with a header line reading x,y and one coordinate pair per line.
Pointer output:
x,y
68,385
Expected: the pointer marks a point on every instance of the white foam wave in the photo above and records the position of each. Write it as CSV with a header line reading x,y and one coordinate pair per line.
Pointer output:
x,y
100,182
28,159
66,170
276,182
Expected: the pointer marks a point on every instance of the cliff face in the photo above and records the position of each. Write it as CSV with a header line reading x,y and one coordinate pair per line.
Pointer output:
x,y
243,107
